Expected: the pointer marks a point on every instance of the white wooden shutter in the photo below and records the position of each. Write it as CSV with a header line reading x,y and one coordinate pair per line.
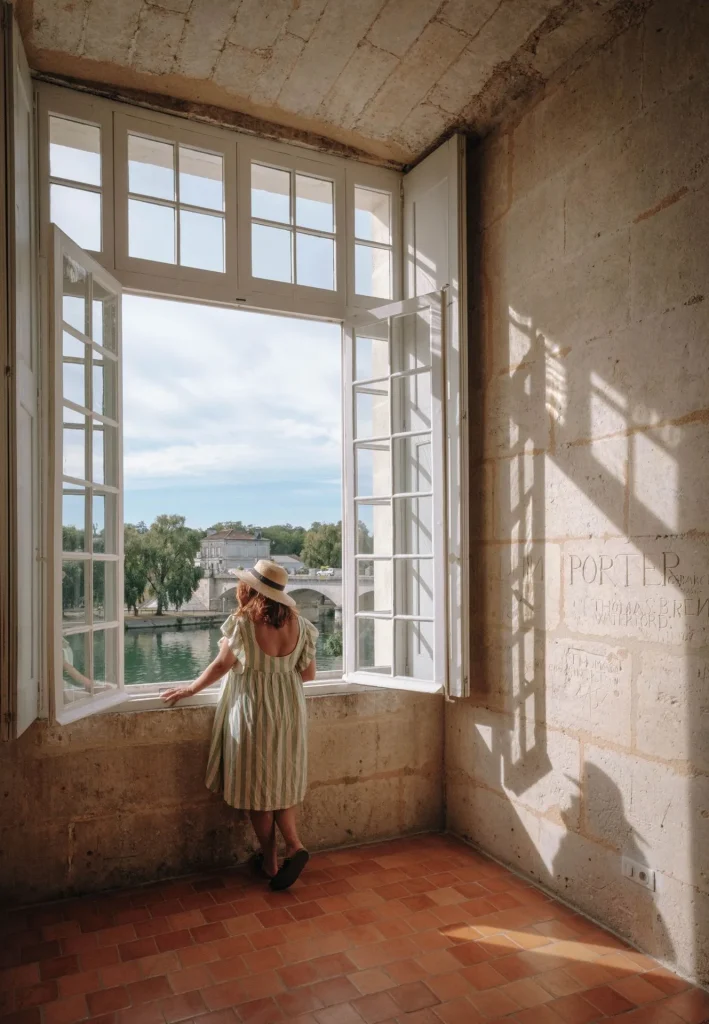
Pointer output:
x,y
434,259
21,622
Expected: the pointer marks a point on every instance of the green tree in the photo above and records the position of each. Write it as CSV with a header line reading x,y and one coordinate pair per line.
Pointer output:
x,y
323,545
230,524
170,552
135,573
285,539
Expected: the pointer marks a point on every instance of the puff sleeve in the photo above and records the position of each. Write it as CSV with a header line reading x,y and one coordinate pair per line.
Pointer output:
x,y
231,630
308,652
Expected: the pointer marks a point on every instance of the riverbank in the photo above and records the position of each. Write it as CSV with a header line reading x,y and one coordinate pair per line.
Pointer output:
x,y
174,620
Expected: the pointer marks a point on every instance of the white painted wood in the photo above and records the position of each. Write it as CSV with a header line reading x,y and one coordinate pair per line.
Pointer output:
x,y
434,257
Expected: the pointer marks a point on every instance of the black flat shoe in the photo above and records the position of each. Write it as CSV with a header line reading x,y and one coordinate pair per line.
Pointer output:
x,y
256,865
290,871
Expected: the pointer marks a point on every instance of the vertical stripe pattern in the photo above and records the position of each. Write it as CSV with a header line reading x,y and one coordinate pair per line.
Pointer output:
x,y
258,756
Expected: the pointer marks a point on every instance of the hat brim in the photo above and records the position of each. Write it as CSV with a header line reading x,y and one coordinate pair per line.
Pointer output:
x,y
279,596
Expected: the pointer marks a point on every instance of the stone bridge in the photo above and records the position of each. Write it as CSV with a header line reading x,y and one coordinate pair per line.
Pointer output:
x,y
218,592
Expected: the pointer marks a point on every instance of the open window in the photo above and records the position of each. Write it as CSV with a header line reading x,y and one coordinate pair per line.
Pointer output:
x,y
88,569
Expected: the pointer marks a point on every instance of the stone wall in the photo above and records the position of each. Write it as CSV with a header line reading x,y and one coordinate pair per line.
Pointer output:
x,y
587,737
120,798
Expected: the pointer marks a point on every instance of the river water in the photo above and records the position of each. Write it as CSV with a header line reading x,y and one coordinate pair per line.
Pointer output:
x,y
169,655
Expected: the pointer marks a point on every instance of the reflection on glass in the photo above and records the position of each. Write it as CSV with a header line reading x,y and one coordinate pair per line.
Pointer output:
x,y
271,253
270,194
98,520
76,670
74,295
78,214
315,260
74,448
413,464
201,178
373,528
104,581
414,586
372,411
72,348
373,272
372,354
313,203
151,167
98,387
104,316
73,520
201,241
99,461
414,649
374,586
105,659
74,150
372,216
74,592
373,470
411,402
74,381
151,231
414,518
374,645
411,341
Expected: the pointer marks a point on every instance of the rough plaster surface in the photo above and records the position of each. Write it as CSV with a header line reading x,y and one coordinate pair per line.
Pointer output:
x,y
587,737
120,798
387,78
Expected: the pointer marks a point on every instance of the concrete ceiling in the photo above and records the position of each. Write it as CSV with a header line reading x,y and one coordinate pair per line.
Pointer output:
x,y
384,78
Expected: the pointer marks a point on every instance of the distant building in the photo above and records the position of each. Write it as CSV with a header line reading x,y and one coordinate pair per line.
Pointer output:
x,y
289,562
232,549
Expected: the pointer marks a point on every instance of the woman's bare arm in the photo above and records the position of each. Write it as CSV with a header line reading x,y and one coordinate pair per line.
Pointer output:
x,y
308,673
225,660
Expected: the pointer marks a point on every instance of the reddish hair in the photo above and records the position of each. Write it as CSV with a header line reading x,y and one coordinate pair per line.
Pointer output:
x,y
260,608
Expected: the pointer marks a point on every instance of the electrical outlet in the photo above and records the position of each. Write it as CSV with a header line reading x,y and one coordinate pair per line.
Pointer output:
x,y
641,874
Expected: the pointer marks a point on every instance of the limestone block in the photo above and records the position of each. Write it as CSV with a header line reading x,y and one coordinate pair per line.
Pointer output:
x,y
669,479
468,17
637,806
518,417
400,23
676,46
237,68
157,41
305,17
110,29
672,707
663,275
493,176
284,56
58,26
365,73
651,590
463,80
258,25
598,99
589,689
647,373
523,588
560,44
204,35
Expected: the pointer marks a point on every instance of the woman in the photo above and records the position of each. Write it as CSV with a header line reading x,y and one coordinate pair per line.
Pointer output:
x,y
258,754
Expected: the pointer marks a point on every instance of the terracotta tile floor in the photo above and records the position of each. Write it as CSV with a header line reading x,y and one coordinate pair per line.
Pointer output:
x,y
422,931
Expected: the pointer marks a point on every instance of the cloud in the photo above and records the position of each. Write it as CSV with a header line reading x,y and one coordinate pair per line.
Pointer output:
x,y
227,396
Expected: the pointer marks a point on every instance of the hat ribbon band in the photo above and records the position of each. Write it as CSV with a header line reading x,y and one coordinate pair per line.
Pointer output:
x,y
266,581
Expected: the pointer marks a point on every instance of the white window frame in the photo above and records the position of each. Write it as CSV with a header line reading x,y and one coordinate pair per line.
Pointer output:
x,y
371,178
65,713
434,304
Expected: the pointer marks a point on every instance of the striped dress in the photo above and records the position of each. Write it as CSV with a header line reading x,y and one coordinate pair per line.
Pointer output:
x,y
258,756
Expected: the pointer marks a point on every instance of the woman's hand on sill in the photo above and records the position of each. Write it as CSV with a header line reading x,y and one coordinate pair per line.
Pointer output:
x,y
177,693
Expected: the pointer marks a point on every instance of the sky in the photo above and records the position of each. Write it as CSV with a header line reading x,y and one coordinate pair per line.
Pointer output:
x,y
229,415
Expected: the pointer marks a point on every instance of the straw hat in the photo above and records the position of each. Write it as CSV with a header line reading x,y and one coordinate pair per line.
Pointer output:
x,y
268,578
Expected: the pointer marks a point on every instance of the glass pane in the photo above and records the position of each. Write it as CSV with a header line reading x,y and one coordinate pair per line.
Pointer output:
x,y
75,296
103,517
412,402
151,231
104,321
74,448
78,214
201,179
414,586
75,668
373,272
105,660
411,341
414,649
104,468
412,464
73,520
104,386
74,151
270,194
374,645
314,206
414,526
104,598
372,353
271,253
201,241
373,528
373,470
74,592
372,411
372,215
374,586
315,260
151,167
74,376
